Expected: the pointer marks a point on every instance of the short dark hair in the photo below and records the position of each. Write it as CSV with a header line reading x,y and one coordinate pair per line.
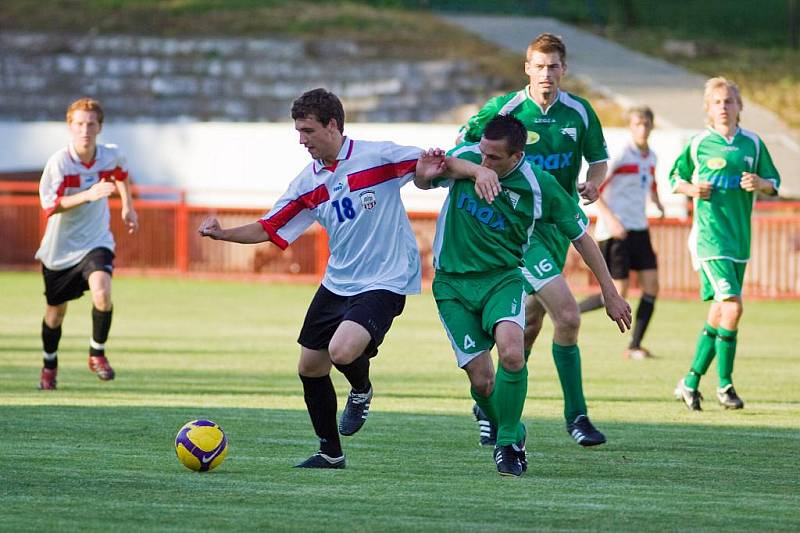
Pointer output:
x,y
640,111
508,128
322,104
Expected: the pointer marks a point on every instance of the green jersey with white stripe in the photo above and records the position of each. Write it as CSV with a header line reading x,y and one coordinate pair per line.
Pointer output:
x,y
473,236
559,137
721,224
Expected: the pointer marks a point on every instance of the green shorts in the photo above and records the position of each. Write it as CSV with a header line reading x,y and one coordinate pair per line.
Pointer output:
x,y
471,305
721,279
545,258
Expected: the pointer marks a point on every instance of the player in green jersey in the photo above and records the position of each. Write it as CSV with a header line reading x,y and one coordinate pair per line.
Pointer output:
x,y
563,129
721,169
479,288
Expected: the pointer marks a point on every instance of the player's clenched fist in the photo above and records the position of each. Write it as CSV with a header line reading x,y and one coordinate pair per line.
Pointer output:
x,y
210,228
101,189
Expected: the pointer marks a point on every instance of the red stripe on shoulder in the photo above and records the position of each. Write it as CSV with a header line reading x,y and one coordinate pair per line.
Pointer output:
x,y
309,200
627,169
376,175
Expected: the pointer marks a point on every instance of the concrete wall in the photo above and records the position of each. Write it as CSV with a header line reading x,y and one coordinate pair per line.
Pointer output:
x,y
250,165
224,79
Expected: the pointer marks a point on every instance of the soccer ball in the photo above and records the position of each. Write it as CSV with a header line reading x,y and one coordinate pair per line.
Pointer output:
x,y
201,445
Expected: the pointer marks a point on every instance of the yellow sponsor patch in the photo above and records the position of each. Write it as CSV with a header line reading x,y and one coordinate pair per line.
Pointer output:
x,y
533,137
716,163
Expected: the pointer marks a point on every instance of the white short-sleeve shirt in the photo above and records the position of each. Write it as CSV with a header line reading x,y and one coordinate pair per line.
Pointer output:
x,y
357,201
72,234
631,177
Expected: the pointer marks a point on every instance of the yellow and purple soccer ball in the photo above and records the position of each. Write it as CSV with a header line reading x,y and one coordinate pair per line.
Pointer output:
x,y
201,445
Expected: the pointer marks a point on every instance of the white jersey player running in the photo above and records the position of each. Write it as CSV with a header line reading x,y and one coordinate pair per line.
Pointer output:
x,y
623,232
352,189
77,250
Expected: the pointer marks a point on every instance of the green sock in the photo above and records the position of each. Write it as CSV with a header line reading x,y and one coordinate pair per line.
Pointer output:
x,y
726,352
703,356
568,364
486,403
509,397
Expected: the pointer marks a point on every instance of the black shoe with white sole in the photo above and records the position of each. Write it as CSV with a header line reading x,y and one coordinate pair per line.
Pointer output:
x,y
584,433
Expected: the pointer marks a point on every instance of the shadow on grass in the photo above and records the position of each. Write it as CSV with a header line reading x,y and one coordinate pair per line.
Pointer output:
x,y
405,471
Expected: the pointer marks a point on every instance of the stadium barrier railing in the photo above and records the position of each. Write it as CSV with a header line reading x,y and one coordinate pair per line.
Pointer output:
x,y
168,243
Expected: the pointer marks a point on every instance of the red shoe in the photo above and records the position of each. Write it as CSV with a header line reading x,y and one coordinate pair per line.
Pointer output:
x,y
48,379
99,365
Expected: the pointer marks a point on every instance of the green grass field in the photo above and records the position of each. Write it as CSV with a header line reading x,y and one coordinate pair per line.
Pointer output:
x,y
97,456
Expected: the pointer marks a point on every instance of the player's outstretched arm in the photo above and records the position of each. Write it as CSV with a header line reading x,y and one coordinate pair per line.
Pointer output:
x,y
617,308
247,234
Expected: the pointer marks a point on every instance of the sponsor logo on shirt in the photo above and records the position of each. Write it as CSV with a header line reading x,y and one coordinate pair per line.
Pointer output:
x,y
368,199
572,133
485,215
544,120
339,187
729,149
551,161
716,163
533,137
726,182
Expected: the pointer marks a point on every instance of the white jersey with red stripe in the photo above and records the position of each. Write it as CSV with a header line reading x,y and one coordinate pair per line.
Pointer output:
x,y
631,177
73,233
357,201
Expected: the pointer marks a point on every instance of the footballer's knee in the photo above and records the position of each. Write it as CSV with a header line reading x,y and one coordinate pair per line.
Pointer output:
x,y
342,353
482,384
509,338
54,315
731,311
313,366
567,322
102,300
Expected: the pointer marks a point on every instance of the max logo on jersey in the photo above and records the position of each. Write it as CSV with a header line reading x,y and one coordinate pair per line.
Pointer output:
x,y
368,199
552,161
485,215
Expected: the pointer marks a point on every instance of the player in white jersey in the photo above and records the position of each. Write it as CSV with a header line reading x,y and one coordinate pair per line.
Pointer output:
x,y
77,250
622,230
352,189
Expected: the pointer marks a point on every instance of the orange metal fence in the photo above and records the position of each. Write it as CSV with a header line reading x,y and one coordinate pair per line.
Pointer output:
x,y
167,242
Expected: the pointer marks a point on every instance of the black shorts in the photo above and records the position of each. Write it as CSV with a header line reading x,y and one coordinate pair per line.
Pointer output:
x,y
374,310
634,252
64,285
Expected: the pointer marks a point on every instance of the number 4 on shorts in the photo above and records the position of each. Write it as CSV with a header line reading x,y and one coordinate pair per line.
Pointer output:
x,y
468,342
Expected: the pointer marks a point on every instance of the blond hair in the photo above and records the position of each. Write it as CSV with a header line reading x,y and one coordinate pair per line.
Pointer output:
x,y
85,104
719,82
548,43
